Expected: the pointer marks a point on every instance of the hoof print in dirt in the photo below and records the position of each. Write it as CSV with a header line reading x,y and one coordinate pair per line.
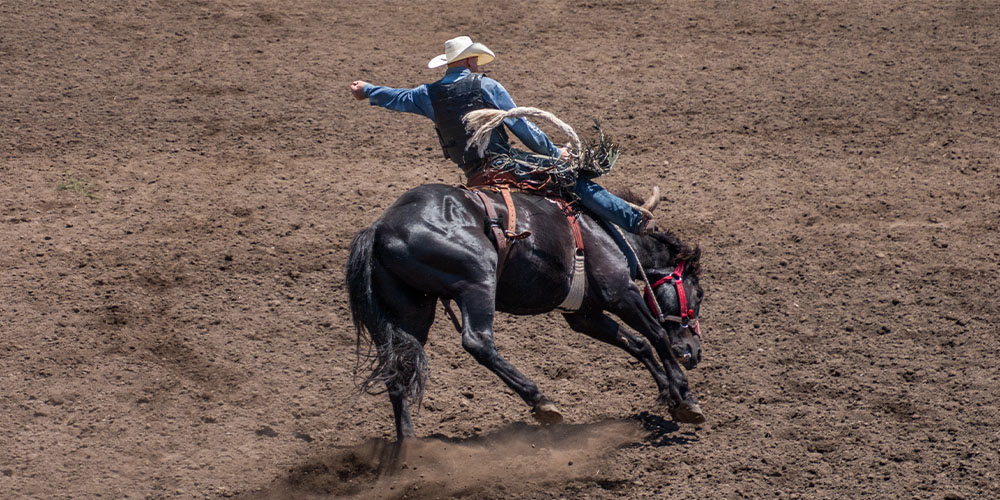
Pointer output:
x,y
266,431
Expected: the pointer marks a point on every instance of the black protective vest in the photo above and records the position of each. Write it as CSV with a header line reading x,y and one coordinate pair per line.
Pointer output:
x,y
451,101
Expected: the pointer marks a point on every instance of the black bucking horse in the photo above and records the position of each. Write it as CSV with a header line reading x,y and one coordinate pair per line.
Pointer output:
x,y
432,244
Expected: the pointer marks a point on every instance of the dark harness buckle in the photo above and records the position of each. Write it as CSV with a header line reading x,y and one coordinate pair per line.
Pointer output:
x,y
492,222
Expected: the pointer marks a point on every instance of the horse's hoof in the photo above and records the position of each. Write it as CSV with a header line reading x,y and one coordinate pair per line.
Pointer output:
x,y
546,413
688,413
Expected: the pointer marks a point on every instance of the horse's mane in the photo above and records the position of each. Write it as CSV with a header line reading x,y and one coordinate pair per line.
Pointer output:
x,y
678,249
681,251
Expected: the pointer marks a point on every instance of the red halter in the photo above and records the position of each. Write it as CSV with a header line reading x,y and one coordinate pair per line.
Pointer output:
x,y
687,315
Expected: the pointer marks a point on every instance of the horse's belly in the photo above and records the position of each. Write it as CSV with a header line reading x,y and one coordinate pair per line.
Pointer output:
x,y
531,290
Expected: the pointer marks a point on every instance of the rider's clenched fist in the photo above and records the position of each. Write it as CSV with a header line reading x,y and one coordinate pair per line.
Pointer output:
x,y
358,89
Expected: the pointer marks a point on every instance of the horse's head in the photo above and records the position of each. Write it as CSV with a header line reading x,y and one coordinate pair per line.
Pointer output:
x,y
682,325
674,282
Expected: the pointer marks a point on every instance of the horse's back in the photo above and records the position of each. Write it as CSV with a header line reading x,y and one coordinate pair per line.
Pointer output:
x,y
434,238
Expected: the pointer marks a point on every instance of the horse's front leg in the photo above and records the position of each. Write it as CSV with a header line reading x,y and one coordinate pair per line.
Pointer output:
x,y
600,327
478,307
633,311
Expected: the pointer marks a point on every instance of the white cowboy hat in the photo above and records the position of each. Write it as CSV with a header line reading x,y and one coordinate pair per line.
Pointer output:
x,y
459,48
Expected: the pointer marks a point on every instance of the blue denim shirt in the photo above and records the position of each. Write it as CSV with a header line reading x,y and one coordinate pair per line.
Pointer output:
x,y
418,100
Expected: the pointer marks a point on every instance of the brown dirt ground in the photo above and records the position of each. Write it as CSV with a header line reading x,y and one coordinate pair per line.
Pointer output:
x,y
181,179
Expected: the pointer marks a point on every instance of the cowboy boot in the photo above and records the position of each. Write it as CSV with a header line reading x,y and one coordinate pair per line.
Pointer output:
x,y
648,225
653,200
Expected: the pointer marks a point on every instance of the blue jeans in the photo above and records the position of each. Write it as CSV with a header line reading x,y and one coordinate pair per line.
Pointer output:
x,y
608,206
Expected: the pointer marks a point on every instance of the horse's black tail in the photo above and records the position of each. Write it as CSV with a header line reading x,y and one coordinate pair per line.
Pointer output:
x,y
399,359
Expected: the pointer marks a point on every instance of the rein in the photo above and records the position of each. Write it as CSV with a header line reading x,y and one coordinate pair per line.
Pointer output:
x,y
677,278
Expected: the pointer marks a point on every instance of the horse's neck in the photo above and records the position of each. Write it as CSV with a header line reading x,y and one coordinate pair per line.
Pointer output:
x,y
650,254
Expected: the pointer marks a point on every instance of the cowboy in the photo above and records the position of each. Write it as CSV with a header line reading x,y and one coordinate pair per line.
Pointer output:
x,y
464,89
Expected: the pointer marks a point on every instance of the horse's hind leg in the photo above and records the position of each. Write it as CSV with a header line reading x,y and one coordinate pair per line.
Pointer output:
x,y
401,410
601,327
478,307
412,313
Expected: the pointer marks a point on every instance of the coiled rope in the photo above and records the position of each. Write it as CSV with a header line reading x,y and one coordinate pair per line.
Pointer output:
x,y
483,121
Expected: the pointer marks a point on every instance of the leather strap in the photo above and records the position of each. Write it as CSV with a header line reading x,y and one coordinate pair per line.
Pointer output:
x,y
498,234
578,280
451,314
573,223
511,213
504,238
511,231
675,278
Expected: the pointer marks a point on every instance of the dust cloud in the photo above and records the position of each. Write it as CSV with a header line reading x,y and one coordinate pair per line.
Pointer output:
x,y
508,462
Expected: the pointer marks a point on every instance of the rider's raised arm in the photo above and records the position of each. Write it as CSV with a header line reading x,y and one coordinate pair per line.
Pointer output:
x,y
527,132
415,100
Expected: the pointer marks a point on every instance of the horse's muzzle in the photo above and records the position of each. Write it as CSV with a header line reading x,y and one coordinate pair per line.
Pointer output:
x,y
687,356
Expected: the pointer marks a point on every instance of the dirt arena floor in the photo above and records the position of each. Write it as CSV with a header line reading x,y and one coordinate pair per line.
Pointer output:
x,y
181,180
